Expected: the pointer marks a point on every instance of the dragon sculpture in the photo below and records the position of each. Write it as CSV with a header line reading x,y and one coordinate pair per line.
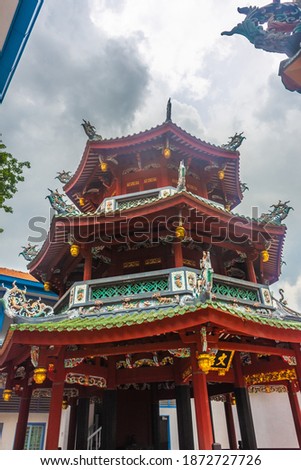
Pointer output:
x,y
283,31
17,305
278,213
29,252
234,142
58,204
244,187
90,130
64,176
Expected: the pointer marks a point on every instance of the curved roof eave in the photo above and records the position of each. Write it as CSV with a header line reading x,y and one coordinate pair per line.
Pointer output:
x,y
155,322
148,136
57,237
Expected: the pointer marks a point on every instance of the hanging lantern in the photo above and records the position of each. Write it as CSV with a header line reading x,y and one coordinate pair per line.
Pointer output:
x,y
233,400
205,361
265,256
180,232
166,153
51,367
47,286
6,395
221,174
65,403
39,375
81,201
103,166
74,250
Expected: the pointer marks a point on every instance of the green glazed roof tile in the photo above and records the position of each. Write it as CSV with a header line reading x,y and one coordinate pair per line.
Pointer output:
x,y
148,316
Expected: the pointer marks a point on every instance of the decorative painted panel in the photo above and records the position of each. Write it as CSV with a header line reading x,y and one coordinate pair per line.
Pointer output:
x,y
178,280
266,296
191,280
80,294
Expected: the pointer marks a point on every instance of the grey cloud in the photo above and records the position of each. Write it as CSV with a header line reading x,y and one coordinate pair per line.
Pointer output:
x,y
69,71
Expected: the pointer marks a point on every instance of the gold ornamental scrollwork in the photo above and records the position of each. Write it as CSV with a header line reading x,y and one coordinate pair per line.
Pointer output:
x,y
286,374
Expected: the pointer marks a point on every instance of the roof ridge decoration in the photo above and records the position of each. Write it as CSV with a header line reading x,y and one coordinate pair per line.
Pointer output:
x,y
277,214
17,305
64,176
90,131
282,306
92,321
29,252
276,37
282,34
273,217
59,205
234,142
168,111
162,126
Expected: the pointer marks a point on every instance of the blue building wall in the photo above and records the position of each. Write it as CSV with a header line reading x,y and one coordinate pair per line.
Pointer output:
x,y
17,37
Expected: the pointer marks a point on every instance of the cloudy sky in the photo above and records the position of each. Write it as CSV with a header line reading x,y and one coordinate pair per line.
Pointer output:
x,y
116,63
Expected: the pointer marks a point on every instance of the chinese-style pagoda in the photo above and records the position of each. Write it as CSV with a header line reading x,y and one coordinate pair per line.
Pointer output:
x,y
164,293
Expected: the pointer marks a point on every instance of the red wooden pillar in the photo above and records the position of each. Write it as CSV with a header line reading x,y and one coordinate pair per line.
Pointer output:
x,y
88,264
230,422
55,410
251,271
22,417
292,394
54,418
202,407
178,254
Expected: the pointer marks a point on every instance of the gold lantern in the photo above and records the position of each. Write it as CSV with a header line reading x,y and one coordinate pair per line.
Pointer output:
x,y
103,166
74,250
47,286
166,153
6,395
221,174
39,375
265,256
81,201
180,232
205,361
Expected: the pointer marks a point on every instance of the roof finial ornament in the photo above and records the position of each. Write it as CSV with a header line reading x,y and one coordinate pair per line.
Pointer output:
x,y
63,176
234,142
277,214
29,252
90,130
168,111
282,299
